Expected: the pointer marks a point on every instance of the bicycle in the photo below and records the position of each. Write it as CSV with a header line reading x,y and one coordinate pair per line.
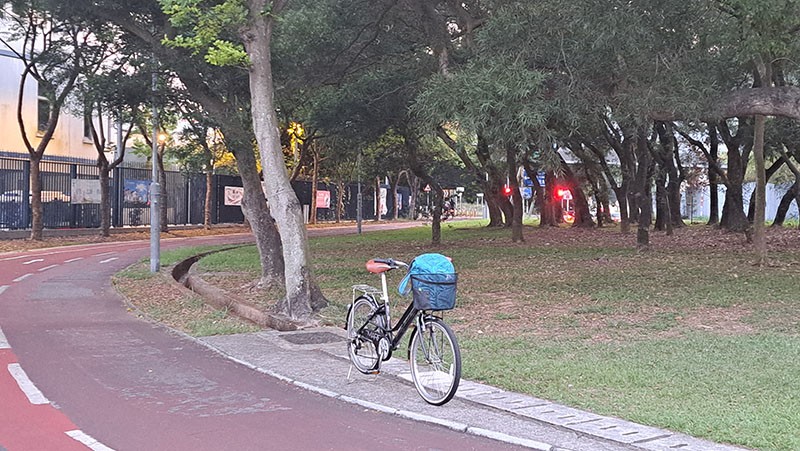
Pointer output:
x,y
433,351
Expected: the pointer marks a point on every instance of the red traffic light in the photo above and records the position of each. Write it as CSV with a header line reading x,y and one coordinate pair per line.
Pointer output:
x,y
563,193
506,190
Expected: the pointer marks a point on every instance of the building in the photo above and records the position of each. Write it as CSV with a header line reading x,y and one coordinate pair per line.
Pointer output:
x,y
72,138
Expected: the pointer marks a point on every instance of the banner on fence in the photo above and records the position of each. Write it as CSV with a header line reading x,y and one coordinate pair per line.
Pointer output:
x,y
234,195
85,191
136,192
323,199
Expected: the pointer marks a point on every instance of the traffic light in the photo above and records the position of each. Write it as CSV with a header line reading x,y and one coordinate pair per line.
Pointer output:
x,y
506,190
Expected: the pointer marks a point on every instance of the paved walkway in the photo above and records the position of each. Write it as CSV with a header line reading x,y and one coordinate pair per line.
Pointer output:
x,y
317,360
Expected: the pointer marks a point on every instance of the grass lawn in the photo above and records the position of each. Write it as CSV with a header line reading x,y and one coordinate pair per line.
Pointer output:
x,y
689,336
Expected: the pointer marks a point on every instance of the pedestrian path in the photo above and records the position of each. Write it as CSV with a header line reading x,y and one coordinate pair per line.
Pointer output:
x,y
317,360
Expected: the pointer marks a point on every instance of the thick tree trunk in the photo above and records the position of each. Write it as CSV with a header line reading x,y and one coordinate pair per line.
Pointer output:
x,y
733,216
303,296
713,177
551,213
786,202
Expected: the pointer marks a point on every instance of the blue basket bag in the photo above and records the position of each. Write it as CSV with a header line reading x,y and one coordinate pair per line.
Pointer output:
x,y
432,279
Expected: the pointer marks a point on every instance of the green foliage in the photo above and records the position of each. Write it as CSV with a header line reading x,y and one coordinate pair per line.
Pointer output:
x,y
208,28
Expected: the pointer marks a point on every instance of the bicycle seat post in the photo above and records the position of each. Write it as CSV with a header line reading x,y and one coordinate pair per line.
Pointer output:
x,y
385,296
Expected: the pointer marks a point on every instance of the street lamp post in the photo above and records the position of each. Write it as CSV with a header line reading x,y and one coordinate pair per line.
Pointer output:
x,y
155,192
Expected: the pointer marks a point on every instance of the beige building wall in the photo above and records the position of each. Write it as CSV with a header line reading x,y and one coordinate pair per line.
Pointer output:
x,y
68,140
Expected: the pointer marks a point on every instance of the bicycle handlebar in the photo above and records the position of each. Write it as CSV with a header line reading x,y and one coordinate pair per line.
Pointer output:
x,y
393,264
381,265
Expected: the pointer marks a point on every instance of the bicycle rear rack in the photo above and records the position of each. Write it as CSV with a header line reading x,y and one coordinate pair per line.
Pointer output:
x,y
369,290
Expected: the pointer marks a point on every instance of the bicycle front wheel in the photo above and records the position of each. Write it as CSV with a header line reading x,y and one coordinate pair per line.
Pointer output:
x,y
360,348
435,362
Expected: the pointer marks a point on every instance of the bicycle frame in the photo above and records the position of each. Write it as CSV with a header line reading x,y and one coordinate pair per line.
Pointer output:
x,y
397,332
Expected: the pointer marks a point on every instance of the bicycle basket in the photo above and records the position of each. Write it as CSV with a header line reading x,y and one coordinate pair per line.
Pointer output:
x,y
434,291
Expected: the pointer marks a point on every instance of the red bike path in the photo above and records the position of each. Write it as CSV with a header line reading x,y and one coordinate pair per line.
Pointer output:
x,y
109,376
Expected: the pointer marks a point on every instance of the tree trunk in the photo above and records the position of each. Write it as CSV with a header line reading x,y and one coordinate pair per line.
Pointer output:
x,y
786,202
412,145
105,199
413,197
759,234
209,197
516,196
662,203
770,171
255,209
713,177
162,179
37,222
312,209
341,185
303,296
583,217
551,212
645,199
733,216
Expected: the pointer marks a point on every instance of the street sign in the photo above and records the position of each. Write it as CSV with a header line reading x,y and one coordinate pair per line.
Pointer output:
x,y
566,195
427,189
527,192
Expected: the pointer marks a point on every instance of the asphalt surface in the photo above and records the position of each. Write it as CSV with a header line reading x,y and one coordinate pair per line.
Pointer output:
x,y
81,371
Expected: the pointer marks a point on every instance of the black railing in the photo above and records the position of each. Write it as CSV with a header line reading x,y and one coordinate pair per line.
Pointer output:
x,y
68,202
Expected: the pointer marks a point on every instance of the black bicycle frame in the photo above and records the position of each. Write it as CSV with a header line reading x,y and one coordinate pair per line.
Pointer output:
x,y
399,330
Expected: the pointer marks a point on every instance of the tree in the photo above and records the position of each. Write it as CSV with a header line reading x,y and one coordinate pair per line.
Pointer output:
x,y
218,90
56,47
302,294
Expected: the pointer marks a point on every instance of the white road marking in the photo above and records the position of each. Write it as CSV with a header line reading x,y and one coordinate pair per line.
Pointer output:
x,y
26,385
13,258
88,440
3,341
104,253
47,267
73,259
3,288
109,260
35,260
22,277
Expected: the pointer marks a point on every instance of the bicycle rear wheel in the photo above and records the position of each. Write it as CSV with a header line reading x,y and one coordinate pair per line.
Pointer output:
x,y
360,348
435,362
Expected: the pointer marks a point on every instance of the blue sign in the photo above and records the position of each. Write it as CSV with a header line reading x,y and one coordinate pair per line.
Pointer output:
x,y
527,192
540,177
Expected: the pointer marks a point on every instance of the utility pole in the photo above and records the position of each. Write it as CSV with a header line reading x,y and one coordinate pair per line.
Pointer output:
x,y
155,190
358,196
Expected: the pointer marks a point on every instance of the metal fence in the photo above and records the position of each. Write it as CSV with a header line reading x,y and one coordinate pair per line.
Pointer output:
x,y
185,197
